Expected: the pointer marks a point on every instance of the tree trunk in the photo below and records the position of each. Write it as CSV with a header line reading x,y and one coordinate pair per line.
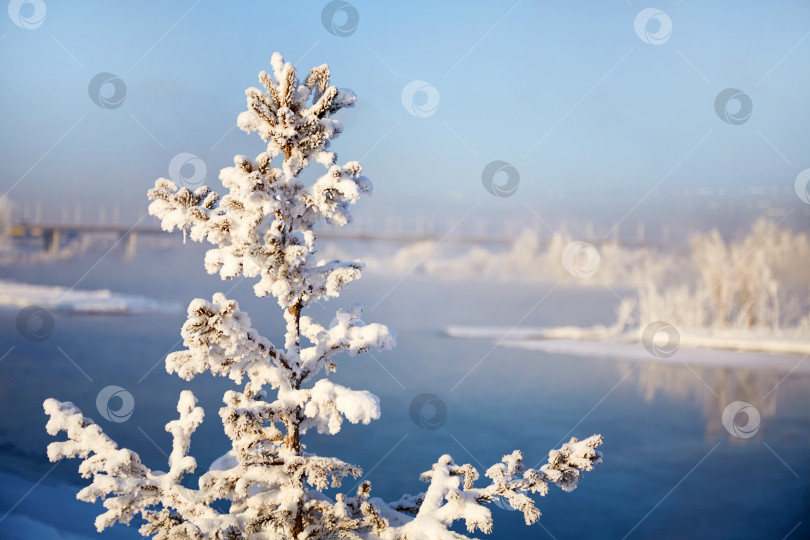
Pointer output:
x,y
293,432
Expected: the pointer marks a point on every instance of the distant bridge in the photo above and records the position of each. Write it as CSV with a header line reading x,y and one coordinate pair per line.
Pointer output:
x,y
53,234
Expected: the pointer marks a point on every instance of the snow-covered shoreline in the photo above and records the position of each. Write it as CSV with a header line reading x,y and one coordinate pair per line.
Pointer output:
x,y
747,352
15,295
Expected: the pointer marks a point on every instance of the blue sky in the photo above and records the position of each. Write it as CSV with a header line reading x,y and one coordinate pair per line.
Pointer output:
x,y
566,92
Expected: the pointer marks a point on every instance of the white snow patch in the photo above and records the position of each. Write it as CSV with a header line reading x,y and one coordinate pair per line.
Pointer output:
x,y
748,352
63,299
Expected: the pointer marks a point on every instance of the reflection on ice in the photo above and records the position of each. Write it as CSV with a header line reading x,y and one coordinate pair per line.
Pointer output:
x,y
715,388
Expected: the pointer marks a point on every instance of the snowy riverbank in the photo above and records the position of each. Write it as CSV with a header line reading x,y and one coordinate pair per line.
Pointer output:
x,y
754,351
67,300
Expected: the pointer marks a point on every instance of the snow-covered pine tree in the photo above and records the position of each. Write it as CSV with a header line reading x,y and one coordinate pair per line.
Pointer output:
x,y
263,228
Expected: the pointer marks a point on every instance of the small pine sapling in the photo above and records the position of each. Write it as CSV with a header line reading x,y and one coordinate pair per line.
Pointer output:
x,y
263,228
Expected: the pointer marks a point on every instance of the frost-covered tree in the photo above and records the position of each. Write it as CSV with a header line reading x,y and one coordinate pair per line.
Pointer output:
x,y
263,228
757,283
5,220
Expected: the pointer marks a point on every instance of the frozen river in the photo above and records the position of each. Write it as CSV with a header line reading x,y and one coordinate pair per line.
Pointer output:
x,y
671,468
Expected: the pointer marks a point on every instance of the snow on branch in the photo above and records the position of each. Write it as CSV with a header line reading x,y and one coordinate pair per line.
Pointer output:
x,y
220,340
452,496
263,226
294,119
126,485
348,334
